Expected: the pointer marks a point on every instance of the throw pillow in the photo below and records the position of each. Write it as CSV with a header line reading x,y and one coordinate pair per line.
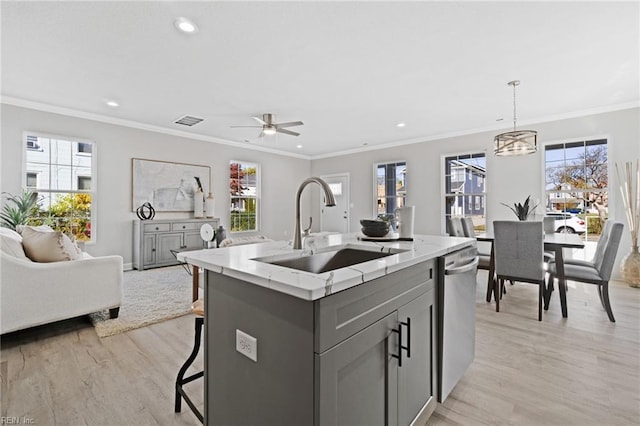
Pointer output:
x,y
11,244
47,246
43,228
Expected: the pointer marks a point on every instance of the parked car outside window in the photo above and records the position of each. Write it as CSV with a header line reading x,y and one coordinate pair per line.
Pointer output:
x,y
568,223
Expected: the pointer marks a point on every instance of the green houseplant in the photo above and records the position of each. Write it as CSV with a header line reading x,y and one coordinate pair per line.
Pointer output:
x,y
17,209
522,211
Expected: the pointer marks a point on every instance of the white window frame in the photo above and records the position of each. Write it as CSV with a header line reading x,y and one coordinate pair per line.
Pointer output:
x,y
257,197
94,174
443,184
375,183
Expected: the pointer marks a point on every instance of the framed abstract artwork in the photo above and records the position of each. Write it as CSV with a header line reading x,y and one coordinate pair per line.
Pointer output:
x,y
169,187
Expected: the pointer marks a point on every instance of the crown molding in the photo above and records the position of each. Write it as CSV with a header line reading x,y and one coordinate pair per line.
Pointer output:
x,y
137,125
159,129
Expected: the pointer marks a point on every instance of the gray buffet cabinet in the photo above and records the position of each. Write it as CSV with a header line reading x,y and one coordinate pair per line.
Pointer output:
x,y
153,240
331,361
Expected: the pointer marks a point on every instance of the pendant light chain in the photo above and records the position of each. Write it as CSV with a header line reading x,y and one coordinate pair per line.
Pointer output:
x,y
514,105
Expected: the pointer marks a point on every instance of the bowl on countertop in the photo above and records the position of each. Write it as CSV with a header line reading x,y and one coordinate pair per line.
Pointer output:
x,y
369,223
374,228
375,232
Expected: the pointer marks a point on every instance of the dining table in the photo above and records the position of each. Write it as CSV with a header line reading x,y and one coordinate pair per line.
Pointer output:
x,y
553,242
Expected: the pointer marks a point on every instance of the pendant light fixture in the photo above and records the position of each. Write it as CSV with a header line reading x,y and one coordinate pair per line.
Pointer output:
x,y
516,142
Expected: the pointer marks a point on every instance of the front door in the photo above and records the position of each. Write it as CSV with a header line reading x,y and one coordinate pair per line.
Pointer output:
x,y
336,219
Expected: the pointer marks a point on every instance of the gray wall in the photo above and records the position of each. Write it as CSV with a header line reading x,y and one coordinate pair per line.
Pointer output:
x,y
509,179
116,145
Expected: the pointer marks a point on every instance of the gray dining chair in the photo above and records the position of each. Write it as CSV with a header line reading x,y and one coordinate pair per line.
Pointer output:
x,y
596,271
454,227
484,258
518,250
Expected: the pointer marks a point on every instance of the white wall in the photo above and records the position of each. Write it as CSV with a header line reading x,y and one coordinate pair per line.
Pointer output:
x,y
116,145
509,179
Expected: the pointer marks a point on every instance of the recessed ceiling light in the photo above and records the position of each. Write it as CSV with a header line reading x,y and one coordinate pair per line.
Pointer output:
x,y
400,125
112,104
298,146
186,25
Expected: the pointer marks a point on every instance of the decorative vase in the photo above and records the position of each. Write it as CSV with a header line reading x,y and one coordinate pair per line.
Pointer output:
x,y
630,266
198,204
209,205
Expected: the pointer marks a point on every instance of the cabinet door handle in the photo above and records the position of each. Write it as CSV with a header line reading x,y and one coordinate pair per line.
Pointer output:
x,y
399,355
400,345
157,228
408,347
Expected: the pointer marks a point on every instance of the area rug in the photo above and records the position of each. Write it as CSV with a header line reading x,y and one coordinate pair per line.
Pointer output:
x,y
149,297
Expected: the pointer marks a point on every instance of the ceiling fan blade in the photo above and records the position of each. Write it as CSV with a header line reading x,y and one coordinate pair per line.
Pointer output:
x,y
290,124
246,126
286,132
259,120
261,135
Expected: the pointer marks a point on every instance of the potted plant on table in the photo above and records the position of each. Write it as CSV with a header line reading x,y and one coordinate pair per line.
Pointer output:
x,y
630,190
522,211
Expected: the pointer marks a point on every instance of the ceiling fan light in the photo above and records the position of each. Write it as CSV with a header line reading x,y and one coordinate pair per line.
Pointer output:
x,y
519,142
269,130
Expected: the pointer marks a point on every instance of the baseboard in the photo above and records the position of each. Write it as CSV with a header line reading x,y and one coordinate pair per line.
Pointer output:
x,y
127,267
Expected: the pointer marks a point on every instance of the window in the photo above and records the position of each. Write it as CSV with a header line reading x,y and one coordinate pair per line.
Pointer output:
x,y
84,148
84,182
390,187
464,177
32,180
245,193
62,179
32,143
576,182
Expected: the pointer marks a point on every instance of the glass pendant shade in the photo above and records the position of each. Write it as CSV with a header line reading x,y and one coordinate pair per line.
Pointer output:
x,y
517,142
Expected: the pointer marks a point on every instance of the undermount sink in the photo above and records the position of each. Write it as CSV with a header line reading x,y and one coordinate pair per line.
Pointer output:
x,y
329,260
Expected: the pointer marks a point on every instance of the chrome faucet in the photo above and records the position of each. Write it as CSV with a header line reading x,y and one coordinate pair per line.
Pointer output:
x,y
329,201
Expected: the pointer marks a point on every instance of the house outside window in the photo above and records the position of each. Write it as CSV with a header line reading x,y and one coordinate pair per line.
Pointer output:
x,y
464,178
576,181
62,178
390,187
244,187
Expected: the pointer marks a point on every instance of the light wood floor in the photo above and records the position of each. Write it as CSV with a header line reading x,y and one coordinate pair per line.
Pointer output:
x,y
582,370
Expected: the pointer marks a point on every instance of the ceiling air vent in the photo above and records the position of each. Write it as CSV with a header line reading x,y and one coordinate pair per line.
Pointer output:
x,y
188,120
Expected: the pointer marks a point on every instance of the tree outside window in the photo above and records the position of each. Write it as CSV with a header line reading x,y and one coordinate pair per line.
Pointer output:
x,y
243,187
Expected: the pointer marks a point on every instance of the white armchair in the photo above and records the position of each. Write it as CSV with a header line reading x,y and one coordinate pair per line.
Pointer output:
x,y
33,293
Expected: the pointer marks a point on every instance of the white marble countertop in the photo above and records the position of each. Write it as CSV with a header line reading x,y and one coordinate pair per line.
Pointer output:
x,y
238,262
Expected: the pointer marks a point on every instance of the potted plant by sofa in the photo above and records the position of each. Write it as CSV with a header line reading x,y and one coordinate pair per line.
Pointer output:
x,y
522,211
17,209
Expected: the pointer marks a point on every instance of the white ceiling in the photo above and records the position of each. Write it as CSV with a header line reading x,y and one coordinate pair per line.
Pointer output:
x,y
350,70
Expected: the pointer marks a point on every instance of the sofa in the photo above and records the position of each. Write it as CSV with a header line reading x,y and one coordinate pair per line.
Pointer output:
x,y
40,292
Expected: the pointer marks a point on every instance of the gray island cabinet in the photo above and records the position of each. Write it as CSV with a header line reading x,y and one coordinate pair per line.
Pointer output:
x,y
363,352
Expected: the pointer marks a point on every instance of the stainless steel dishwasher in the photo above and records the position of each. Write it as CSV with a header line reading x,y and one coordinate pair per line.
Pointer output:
x,y
456,317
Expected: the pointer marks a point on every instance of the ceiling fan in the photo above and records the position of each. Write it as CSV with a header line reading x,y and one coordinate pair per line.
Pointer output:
x,y
270,128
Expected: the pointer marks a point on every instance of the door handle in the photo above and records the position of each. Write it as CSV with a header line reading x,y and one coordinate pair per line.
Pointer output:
x,y
400,346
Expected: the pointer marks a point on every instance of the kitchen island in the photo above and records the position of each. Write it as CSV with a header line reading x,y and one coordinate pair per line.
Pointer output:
x,y
352,345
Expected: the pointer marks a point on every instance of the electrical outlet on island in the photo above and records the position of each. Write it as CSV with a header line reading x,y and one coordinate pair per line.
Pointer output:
x,y
247,345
